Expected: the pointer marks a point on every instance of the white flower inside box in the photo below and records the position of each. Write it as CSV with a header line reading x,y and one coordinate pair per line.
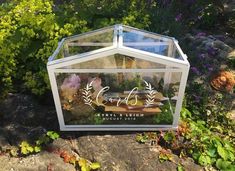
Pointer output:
x,y
118,78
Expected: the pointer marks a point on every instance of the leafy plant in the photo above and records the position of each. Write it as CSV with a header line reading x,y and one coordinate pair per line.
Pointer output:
x,y
83,164
147,137
26,148
225,165
169,137
165,117
180,168
53,135
165,155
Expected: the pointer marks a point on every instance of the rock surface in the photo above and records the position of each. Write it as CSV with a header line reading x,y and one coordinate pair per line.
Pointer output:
x,y
122,152
40,162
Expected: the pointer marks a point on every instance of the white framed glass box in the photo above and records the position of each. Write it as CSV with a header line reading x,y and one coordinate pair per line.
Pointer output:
x,y
118,78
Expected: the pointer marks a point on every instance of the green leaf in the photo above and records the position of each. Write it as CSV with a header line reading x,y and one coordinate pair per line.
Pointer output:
x,y
216,141
53,135
95,166
185,113
85,168
211,152
222,152
14,152
180,168
37,149
82,162
169,136
231,156
24,150
204,160
30,149
141,138
224,165
228,146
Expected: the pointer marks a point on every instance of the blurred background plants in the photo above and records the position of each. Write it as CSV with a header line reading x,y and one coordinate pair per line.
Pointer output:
x,y
30,29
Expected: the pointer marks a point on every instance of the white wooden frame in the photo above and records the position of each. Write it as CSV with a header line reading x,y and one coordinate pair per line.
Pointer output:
x,y
117,47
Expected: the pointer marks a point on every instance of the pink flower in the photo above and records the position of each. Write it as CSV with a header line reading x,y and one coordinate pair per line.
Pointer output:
x,y
70,86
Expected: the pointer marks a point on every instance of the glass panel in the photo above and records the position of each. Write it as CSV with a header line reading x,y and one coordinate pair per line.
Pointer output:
x,y
114,99
177,55
174,89
150,42
117,61
146,42
87,42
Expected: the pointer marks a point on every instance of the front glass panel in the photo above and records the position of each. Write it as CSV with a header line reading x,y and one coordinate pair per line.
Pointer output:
x,y
117,98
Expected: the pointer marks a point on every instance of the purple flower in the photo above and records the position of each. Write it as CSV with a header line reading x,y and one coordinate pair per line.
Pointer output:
x,y
195,70
202,56
178,17
212,51
207,65
196,98
201,34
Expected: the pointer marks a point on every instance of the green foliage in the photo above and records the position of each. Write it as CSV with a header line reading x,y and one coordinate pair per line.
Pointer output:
x,y
29,32
26,148
95,165
147,137
196,139
142,138
165,155
86,166
98,120
207,147
180,168
225,165
165,117
169,136
53,135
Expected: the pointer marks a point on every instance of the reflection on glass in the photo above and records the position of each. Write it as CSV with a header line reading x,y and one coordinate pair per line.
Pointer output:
x,y
85,43
139,40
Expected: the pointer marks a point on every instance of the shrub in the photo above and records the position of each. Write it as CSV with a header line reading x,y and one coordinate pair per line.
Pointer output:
x,y
30,31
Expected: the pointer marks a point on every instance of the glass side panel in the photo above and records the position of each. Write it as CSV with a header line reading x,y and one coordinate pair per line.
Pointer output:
x,y
116,61
86,42
114,99
177,55
174,89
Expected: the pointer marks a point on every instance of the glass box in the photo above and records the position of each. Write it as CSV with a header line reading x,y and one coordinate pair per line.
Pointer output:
x,y
118,78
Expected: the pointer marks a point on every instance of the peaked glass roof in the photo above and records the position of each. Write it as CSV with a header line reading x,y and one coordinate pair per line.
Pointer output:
x,y
117,36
